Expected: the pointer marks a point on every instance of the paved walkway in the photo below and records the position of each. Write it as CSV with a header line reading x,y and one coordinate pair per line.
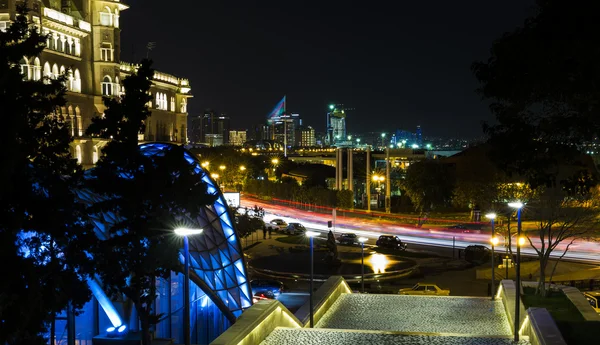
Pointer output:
x,y
288,336
424,314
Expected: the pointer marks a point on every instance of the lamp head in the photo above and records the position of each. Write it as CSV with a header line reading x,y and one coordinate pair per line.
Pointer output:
x,y
521,241
491,216
187,231
362,239
311,234
516,204
494,240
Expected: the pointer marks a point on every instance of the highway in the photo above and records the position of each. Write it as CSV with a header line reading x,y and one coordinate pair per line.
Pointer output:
x,y
580,250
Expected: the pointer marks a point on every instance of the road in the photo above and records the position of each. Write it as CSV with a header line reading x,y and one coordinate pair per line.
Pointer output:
x,y
582,251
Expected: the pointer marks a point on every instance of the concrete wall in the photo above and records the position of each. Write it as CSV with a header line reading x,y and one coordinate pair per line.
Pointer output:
x,y
257,323
323,299
541,328
581,303
507,292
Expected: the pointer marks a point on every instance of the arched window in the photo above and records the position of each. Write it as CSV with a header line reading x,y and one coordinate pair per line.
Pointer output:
x,y
78,154
157,103
60,43
37,69
116,18
106,52
62,73
106,17
183,105
25,68
79,122
54,71
172,104
76,86
107,86
47,72
95,155
70,120
62,70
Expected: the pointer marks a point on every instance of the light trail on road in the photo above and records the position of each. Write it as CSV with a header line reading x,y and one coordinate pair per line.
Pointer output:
x,y
580,250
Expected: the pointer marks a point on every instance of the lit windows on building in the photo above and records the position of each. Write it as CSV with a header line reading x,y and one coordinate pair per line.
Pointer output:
x,y
109,18
106,52
172,108
237,138
107,86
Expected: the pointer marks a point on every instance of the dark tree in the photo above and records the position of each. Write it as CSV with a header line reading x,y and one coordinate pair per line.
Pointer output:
x,y
149,196
429,184
543,81
544,84
42,227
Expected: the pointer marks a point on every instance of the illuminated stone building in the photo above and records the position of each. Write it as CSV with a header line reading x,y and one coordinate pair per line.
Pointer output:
x,y
84,43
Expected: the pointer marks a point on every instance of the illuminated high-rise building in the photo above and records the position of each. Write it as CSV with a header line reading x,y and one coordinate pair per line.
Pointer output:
x,y
336,125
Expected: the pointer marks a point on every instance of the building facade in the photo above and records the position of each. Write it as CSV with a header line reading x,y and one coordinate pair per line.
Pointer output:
x,y
237,138
336,125
84,43
306,137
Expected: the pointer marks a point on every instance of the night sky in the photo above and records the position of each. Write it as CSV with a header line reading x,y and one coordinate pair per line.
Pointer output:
x,y
397,63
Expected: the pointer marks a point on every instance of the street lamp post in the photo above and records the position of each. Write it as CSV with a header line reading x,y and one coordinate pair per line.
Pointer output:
x,y
311,235
518,206
362,241
494,241
185,232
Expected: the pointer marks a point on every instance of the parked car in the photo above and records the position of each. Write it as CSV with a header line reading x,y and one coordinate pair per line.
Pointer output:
x,y
273,227
348,239
259,296
594,298
295,229
392,242
266,285
279,222
424,289
477,254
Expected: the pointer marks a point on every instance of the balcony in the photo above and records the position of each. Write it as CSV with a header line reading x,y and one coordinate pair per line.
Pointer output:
x,y
64,22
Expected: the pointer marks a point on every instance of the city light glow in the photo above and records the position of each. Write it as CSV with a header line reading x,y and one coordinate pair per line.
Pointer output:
x,y
378,263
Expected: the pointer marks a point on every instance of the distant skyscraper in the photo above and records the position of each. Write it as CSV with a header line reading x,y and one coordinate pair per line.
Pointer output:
x,y
419,137
195,128
208,124
237,138
305,137
223,126
336,125
285,128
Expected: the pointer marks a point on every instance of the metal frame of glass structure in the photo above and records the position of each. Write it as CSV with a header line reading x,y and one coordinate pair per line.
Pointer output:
x,y
220,289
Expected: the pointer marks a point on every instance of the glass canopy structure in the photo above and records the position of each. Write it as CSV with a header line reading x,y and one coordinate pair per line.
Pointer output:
x,y
220,289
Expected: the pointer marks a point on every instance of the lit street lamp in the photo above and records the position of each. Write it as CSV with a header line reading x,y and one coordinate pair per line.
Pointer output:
x,y
362,241
311,235
242,168
275,161
519,206
222,167
494,241
205,164
185,232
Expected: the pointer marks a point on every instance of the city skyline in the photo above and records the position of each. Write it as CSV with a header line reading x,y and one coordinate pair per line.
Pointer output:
x,y
404,65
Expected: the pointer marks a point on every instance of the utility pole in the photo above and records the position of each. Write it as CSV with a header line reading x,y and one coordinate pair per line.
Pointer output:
x,y
368,182
387,182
